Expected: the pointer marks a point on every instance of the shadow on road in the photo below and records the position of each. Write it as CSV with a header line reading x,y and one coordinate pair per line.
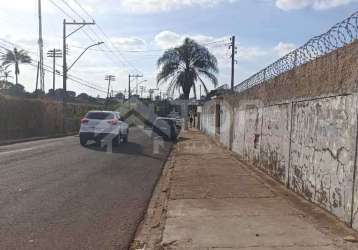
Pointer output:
x,y
130,148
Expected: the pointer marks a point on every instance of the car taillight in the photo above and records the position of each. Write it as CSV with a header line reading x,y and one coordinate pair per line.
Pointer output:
x,y
84,120
113,122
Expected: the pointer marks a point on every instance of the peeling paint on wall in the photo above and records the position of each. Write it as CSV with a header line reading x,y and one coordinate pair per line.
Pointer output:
x,y
274,151
323,146
301,129
225,119
253,123
239,132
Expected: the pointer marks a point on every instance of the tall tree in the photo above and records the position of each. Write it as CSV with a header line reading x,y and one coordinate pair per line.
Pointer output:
x,y
186,65
16,57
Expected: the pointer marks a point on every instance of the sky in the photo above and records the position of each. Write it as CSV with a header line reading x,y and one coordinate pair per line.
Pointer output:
x,y
137,32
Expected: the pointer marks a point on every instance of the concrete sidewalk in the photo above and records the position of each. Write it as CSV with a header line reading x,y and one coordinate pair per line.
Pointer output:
x,y
208,199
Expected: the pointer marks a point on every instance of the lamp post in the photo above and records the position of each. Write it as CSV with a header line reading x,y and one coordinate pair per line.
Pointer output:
x,y
80,25
96,44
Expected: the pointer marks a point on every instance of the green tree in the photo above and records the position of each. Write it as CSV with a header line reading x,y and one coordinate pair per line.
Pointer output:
x,y
182,67
16,57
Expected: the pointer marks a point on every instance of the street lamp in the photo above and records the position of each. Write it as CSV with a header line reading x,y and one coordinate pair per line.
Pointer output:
x,y
96,44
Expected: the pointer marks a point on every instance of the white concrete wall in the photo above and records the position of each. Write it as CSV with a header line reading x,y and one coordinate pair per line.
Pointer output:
x,y
208,118
253,125
308,145
323,152
225,123
239,132
275,141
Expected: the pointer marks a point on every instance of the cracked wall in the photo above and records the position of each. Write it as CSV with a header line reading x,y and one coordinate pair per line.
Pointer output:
x,y
275,142
301,128
307,145
323,152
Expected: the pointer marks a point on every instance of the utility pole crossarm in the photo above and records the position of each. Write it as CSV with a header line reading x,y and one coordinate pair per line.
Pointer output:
x,y
55,53
109,78
83,25
65,36
129,84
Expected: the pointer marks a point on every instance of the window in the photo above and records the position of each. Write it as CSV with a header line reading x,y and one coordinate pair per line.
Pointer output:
x,y
100,116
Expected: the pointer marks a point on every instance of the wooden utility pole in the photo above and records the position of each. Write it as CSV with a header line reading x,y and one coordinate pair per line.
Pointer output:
x,y
233,61
54,53
37,75
109,78
41,50
129,84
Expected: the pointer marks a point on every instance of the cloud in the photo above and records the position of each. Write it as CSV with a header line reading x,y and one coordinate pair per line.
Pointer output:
x,y
315,4
283,49
129,43
250,53
169,39
145,6
26,6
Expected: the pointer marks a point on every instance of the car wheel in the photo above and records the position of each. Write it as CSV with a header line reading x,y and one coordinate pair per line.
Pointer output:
x,y
83,141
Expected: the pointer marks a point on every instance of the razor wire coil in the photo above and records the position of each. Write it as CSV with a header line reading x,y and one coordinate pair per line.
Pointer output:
x,y
340,35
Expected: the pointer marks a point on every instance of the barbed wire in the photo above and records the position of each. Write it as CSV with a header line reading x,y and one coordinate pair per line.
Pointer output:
x,y
340,35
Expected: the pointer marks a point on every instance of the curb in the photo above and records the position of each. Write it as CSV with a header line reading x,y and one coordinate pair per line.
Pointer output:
x,y
150,230
10,142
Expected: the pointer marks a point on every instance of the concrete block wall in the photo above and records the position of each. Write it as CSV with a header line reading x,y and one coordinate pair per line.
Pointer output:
x,y
301,128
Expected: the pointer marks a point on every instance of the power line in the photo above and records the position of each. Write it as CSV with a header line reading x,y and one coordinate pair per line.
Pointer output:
x,y
48,69
123,63
83,9
109,39
158,50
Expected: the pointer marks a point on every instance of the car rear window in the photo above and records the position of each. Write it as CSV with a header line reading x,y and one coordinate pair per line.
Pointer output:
x,y
100,116
164,122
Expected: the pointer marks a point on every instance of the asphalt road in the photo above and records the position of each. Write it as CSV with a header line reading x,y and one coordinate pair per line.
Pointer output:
x,y
55,194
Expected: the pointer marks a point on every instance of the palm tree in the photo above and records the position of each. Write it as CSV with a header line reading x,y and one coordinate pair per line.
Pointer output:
x,y
186,65
16,57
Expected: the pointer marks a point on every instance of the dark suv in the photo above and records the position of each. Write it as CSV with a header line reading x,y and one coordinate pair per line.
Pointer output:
x,y
165,127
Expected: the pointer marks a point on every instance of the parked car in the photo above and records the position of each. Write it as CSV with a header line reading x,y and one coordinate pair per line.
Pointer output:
x,y
103,125
166,127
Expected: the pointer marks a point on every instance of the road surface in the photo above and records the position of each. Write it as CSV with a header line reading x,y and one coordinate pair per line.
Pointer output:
x,y
55,194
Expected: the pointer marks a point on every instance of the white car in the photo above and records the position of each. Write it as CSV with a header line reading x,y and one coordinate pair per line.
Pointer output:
x,y
103,125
